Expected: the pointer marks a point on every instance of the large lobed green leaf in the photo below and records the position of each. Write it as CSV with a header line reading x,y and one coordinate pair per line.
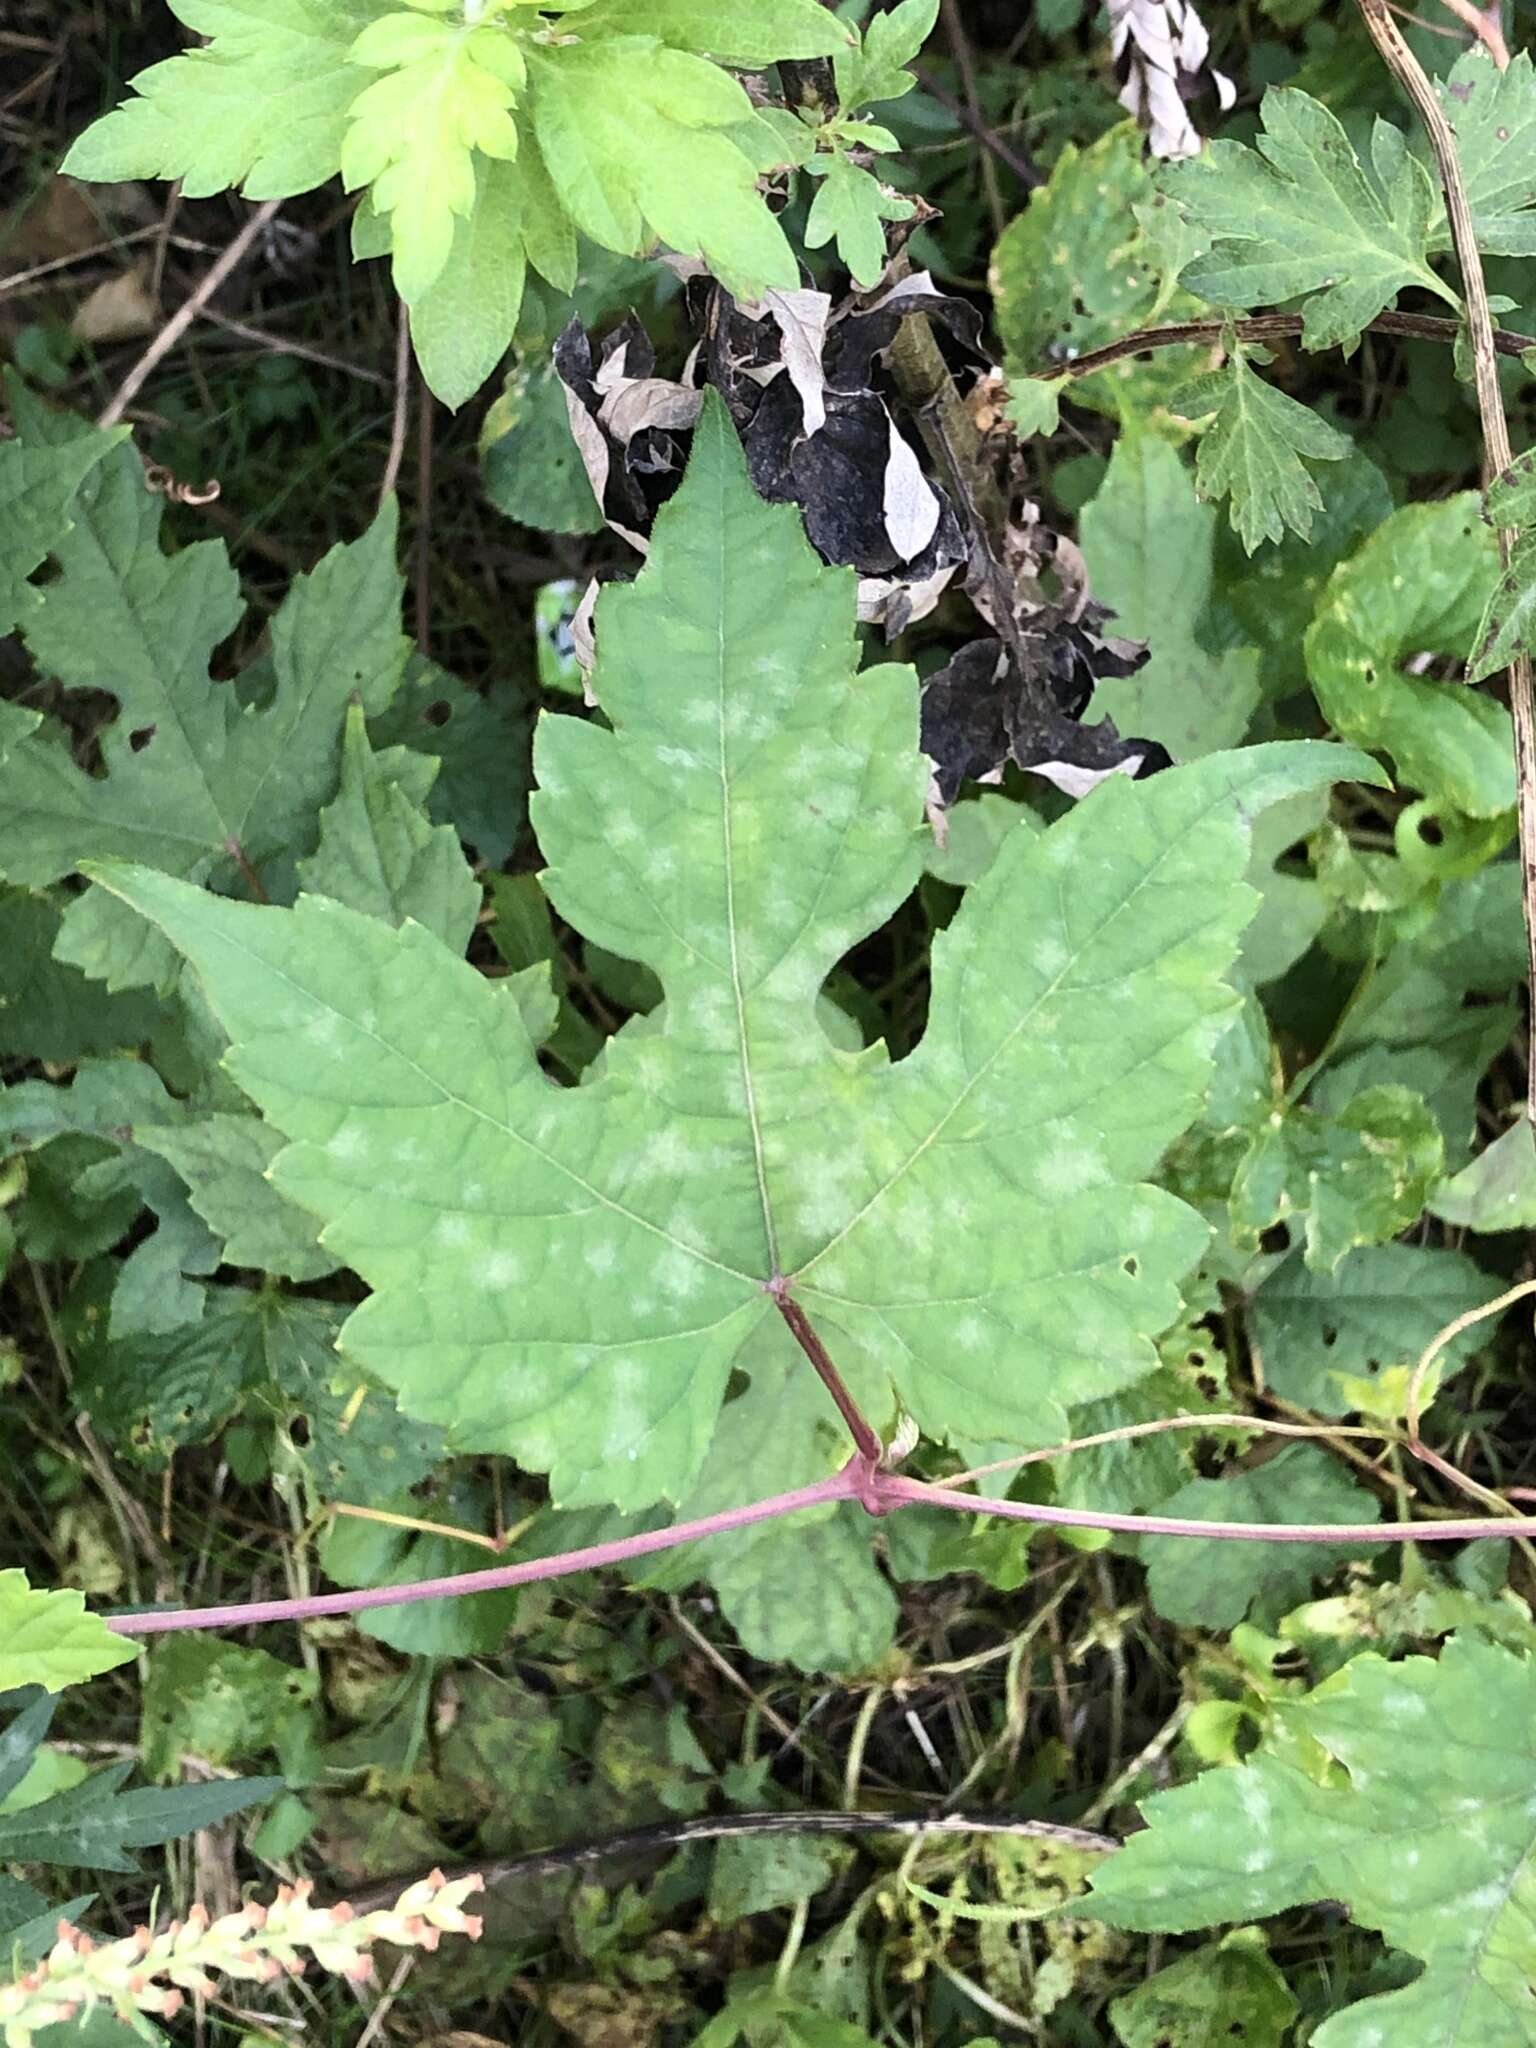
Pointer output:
x,y
968,1229
1426,1832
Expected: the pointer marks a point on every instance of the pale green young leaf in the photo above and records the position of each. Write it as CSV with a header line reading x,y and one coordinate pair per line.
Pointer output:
x,y
1419,585
745,32
1149,544
224,1160
48,1639
263,105
633,137
414,134
732,1142
1493,114
1226,1995
1299,216
1426,1837
194,779
1374,1314
875,69
379,853
1358,1177
1217,1585
849,206
1256,449
462,323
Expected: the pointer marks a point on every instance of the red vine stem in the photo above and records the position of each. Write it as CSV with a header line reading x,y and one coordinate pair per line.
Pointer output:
x,y
879,1492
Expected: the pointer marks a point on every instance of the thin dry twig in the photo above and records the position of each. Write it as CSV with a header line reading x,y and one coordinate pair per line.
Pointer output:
x,y
186,313
1410,74
1433,1349
402,404
1485,25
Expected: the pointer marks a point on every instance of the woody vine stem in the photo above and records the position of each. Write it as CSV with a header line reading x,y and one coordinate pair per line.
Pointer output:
x,y
867,1478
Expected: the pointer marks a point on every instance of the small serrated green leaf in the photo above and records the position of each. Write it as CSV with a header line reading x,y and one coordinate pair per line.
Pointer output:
x,y
462,323
876,68
262,105
1256,449
849,205
48,1639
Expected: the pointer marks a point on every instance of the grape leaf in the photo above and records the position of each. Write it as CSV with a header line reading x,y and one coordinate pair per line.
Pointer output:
x,y
1418,585
48,1639
752,812
1298,216
1256,449
37,489
263,105
1227,1995
1426,1835
224,1160
1215,1585
1149,546
196,781
379,853
1376,1311
634,138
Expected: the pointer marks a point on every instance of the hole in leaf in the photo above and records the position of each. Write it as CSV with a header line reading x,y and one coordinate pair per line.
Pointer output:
x,y
140,739
298,1431
1129,1265
438,713
1330,1337
1276,1239
1430,832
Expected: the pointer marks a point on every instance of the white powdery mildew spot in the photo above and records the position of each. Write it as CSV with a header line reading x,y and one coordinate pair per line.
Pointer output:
x,y
1253,1799
347,1143
1254,1861
912,1225
453,1232
501,1269
601,1257
970,1333
678,757
1049,956
1069,1167
621,828
679,1276
324,1028
1403,1706
1485,1898
661,864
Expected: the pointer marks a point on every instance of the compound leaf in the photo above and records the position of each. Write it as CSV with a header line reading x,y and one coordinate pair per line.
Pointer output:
x,y
1256,449
753,811
1299,216
1425,1832
262,105
875,69
48,1639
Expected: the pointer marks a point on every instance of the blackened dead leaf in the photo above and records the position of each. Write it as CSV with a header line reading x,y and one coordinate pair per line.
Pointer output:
x,y
977,715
